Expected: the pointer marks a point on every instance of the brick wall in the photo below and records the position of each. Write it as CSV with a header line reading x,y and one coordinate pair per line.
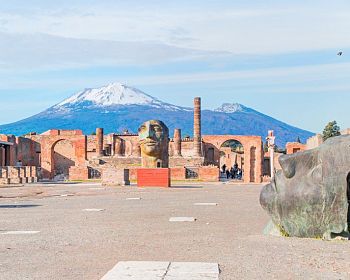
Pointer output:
x,y
178,173
209,174
294,147
78,173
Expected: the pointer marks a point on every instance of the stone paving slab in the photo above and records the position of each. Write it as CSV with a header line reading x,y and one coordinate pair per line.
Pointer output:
x,y
137,271
147,270
19,232
205,204
192,271
182,219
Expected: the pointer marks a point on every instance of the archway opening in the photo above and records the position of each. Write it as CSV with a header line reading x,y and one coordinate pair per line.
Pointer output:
x,y
63,157
232,160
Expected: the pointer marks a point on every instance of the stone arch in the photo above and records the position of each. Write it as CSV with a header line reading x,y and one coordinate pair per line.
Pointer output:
x,y
254,155
232,155
48,144
63,157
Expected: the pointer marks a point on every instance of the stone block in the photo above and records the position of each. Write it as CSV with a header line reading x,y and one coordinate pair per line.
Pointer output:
x,y
153,177
78,173
13,172
112,176
28,170
4,172
178,173
15,180
22,172
4,181
209,174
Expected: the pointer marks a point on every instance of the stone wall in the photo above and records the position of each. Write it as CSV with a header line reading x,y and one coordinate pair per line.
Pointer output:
x,y
345,131
294,147
115,176
57,150
78,173
314,141
209,174
178,173
18,175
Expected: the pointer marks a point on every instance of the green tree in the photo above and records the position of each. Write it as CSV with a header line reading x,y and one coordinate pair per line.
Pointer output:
x,y
265,147
93,133
331,130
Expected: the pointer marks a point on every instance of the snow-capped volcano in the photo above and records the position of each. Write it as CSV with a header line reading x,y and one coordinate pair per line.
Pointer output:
x,y
117,107
111,95
230,108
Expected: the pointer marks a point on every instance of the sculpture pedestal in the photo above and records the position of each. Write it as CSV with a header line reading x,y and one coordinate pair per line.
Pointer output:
x,y
153,177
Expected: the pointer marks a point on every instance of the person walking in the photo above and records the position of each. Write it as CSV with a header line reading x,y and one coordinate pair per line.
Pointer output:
x,y
224,168
227,174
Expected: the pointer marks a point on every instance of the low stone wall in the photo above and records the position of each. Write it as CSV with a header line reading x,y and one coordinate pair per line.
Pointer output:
x,y
209,174
78,173
112,176
18,175
185,161
178,173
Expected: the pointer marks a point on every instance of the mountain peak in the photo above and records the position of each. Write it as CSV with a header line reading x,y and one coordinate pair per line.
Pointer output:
x,y
230,108
110,95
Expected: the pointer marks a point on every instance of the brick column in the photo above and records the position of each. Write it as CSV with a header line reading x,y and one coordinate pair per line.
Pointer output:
x,y
2,156
177,142
99,142
118,149
112,145
12,150
197,135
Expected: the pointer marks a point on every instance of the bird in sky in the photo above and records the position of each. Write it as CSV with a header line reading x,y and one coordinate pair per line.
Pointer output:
x,y
339,53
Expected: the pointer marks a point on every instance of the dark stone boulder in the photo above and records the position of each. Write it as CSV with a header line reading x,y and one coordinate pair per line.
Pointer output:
x,y
309,197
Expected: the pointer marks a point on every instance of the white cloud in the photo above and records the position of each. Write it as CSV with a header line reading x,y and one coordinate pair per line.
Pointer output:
x,y
271,28
41,51
300,79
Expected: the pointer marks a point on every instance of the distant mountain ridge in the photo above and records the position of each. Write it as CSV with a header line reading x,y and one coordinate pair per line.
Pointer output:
x,y
116,107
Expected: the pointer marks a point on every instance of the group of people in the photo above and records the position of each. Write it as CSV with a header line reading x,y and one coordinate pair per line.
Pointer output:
x,y
234,172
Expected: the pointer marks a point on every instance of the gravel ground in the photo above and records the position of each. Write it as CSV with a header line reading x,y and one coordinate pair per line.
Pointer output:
x,y
77,244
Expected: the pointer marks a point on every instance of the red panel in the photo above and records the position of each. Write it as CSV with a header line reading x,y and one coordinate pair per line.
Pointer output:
x,y
153,177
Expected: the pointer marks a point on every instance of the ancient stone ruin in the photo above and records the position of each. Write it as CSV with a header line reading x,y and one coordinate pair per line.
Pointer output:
x,y
310,196
70,155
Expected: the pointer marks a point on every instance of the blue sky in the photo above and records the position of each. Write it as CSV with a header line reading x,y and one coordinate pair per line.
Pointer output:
x,y
278,57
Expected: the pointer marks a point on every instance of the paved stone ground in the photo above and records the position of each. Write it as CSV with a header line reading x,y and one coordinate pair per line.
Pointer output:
x,y
76,244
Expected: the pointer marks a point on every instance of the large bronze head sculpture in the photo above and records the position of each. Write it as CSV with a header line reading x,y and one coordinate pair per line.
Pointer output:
x,y
309,196
154,142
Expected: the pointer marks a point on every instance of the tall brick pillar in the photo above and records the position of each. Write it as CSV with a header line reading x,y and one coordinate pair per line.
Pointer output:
x,y
197,134
118,150
177,142
99,142
112,140
12,156
2,156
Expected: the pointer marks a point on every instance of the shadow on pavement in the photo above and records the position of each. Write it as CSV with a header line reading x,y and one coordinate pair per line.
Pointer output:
x,y
19,206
